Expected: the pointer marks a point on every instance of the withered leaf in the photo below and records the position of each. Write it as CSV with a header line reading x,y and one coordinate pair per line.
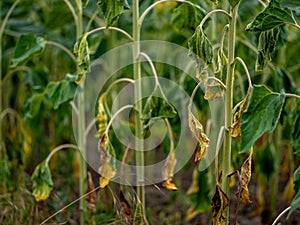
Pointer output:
x,y
168,171
169,184
235,128
125,207
201,73
219,203
243,192
198,131
106,170
91,198
213,90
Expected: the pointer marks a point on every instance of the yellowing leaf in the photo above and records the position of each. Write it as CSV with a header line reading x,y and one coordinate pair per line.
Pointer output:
x,y
235,128
42,183
288,192
219,203
106,170
198,131
170,5
201,73
76,164
243,192
101,116
107,173
169,184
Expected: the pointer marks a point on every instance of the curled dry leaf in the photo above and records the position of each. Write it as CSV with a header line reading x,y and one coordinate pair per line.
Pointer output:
x,y
213,90
169,184
125,207
201,73
235,128
168,171
101,116
106,170
243,192
198,131
91,198
219,203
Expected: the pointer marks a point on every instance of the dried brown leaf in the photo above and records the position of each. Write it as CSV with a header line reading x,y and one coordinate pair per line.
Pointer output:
x,y
243,193
105,170
198,131
219,203
289,191
91,198
125,207
235,128
168,171
201,74
213,90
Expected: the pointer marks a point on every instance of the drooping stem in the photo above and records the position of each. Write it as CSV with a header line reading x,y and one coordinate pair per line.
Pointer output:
x,y
281,214
69,53
229,103
137,95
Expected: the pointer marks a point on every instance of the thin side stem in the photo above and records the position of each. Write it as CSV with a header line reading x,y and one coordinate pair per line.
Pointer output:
x,y
281,214
241,61
171,137
72,10
58,148
214,12
147,11
115,115
92,18
219,81
292,95
110,28
11,72
89,127
119,81
60,46
157,84
192,96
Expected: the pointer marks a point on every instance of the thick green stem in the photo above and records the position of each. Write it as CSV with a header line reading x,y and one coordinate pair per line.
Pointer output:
x,y
229,103
138,93
81,127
